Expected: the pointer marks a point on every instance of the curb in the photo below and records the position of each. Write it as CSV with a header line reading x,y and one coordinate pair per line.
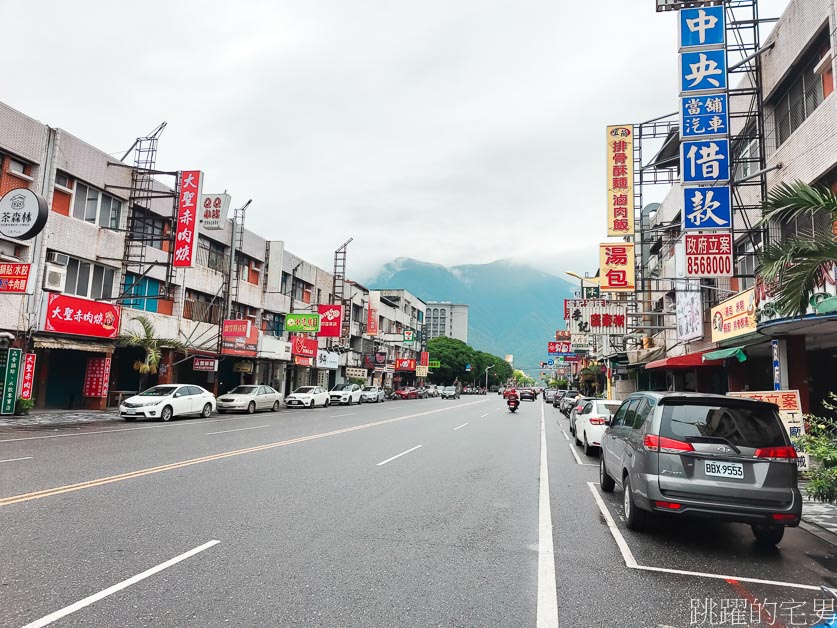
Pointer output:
x,y
818,531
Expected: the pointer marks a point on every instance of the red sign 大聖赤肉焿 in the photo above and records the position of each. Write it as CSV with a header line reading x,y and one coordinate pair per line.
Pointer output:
x,y
81,317
304,347
185,234
27,377
96,377
331,318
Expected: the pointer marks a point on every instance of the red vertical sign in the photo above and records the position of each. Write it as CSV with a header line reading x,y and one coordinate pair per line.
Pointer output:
x,y
28,376
96,377
425,358
372,322
185,234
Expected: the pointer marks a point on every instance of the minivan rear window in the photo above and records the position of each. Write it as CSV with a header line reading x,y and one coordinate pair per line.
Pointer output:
x,y
745,426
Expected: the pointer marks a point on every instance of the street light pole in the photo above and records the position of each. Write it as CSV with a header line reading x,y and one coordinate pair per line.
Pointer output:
x,y
487,368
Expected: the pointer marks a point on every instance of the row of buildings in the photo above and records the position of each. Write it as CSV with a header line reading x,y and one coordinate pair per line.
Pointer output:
x,y
715,333
105,257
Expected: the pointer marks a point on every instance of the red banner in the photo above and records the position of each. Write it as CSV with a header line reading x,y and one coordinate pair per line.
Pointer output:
x,y
238,328
234,343
185,235
563,334
96,377
300,361
305,347
204,364
372,322
73,315
405,364
563,346
331,317
27,376
13,277
425,358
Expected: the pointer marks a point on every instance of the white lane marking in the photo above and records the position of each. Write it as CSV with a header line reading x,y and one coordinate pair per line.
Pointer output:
x,y
547,610
484,415
397,456
240,429
631,563
498,409
460,427
578,460
334,416
72,608
16,459
566,436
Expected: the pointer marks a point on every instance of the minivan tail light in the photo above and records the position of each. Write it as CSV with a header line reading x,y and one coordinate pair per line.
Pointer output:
x,y
782,517
776,453
668,505
652,442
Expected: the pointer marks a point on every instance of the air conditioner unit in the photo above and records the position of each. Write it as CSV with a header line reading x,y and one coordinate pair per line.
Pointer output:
x,y
55,276
58,258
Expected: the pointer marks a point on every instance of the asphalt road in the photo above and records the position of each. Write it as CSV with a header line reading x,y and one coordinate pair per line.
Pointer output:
x,y
407,513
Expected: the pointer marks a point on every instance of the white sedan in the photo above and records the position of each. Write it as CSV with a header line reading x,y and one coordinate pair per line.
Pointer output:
x,y
591,423
372,394
167,401
249,399
308,397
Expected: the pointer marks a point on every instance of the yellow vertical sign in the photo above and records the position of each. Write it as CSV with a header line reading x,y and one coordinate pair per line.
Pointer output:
x,y
617,267
620,180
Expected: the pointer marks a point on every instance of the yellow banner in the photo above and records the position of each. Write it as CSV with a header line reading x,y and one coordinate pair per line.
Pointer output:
x,y
617,267
734,317
620,180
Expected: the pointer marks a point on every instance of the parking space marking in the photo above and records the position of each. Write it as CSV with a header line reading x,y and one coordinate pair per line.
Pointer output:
x,y
72,608
460,427
566,436
403,453
240,429
547,608
16,459
577,458
631,563
336,416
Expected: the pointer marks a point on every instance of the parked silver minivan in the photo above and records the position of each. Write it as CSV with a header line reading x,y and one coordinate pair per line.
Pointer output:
x,y
696,455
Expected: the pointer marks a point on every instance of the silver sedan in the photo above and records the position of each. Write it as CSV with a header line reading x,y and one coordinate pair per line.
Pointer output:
x,y
372,394
249,399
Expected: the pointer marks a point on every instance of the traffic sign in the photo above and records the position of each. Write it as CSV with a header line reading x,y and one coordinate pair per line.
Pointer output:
x,y
550,362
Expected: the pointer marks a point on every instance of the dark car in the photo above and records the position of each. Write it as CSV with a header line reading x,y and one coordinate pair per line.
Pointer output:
x,y
528,393
695,455
556,400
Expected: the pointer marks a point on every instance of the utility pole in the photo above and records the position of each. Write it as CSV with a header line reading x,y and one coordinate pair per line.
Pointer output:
x,y
487,368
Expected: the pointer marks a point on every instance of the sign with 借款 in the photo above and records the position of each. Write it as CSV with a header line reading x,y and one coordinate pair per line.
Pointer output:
x,y
734,317
707,209
705,161
617,267
620,180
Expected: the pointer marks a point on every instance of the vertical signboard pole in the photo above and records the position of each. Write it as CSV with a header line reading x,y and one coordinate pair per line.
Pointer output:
x,y
777,372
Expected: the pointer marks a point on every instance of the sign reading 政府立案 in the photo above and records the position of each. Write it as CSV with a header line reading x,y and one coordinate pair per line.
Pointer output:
x,y
309,323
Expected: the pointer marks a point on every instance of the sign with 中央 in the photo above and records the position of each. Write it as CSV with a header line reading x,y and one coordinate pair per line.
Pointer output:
x,y
707,208
705,161
10,365
189,184
617,267
703,71
708,254
620,180
23,214
28,380
704,116
309,323
607,319
790,411
734,317
702,28
214,208
435,364
14,277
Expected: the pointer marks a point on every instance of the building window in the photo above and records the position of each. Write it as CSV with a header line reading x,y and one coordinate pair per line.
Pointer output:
x,y
199,306
273,324
212,255
144,287
85,203
110,212
63,180
798,98
18,167
149,228
85,279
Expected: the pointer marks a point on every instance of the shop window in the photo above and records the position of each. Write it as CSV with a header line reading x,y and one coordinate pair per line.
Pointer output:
x,y
273,324
89,280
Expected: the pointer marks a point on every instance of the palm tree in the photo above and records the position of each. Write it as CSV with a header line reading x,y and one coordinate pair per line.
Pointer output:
x,y
147,339
801,263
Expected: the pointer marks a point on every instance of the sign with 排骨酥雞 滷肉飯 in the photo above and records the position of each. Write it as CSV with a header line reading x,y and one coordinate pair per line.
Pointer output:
x,y
620,180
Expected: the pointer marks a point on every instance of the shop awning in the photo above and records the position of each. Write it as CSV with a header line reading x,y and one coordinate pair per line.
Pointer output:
x,y
725,354
690,360
91,346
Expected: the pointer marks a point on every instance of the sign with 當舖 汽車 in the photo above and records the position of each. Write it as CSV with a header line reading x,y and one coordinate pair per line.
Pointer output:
x,y
708,255
704,116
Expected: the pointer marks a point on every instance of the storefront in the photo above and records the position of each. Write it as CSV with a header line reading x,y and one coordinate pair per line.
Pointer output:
x,y
686,373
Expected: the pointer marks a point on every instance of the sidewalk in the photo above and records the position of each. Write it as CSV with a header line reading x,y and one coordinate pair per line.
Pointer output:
x,y
46,418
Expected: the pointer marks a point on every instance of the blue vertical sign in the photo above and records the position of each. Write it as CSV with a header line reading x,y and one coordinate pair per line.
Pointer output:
x,y
705,161
703,71
702,28
704,116
777,373
707,208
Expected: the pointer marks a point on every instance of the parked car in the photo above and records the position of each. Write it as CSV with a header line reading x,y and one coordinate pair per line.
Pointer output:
x,y
449,392
422,393
576,407
528,393
373,394
566,401
694,455
433,391
346,394
249,399
407,393
591,422
308,397
168,401
501,390
549,395
556,400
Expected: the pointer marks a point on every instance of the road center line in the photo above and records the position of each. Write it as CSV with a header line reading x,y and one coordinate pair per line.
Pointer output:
x,y
16,459
240,429
547,611
461,426
50,492
403,453
72,608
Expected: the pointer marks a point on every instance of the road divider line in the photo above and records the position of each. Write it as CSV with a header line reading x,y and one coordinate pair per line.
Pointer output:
x,y
631,563
335,416
566,436
578,459
484,415
240,429
547,609
16,459
72,608
461,426
50,492
403,453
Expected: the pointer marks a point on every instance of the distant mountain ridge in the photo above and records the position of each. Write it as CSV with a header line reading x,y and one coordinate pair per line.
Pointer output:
x,y
514,308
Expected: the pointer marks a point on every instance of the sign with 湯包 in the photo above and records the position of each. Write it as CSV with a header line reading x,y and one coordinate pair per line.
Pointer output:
x,y
617,267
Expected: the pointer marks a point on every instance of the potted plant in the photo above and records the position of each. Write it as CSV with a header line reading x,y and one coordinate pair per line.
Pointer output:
x,y
23,406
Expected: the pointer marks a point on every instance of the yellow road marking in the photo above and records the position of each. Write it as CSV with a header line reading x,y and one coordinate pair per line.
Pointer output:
x,y
69,488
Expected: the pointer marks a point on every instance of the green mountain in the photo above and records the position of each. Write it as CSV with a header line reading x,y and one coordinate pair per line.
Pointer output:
x,y
513,308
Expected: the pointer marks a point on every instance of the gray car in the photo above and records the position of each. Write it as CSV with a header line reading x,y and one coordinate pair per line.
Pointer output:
x,y
695,455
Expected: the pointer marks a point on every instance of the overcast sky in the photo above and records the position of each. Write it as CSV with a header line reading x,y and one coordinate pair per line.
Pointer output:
x,y
454,131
